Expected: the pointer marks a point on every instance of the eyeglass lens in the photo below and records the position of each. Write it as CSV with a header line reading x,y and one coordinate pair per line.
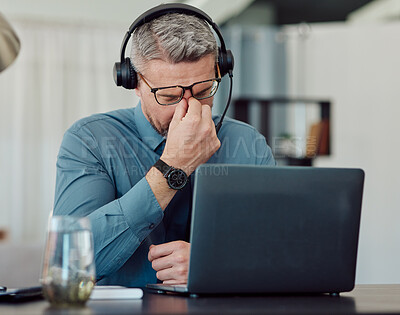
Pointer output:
x,y
172,95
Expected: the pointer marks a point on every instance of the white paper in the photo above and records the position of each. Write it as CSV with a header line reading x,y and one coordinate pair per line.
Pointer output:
x,y
115,293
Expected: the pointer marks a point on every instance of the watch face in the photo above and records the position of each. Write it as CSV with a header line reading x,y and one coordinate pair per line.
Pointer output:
x,y
177,179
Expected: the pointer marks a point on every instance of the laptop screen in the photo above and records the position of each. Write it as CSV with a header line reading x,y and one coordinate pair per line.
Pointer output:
x,y
274,229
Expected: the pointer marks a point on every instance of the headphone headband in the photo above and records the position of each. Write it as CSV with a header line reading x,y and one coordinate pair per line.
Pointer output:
x,y
124,73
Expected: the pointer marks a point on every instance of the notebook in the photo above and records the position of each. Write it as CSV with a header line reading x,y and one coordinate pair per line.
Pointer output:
x,y
109,292
260,229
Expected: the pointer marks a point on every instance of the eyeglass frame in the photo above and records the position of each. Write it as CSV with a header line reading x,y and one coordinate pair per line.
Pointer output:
x,y
184,88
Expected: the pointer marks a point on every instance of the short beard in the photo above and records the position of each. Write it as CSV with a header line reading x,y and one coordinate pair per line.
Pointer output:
x,y
163,132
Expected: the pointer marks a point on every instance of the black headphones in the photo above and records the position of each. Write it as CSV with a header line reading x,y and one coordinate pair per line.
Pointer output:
x,y
124,73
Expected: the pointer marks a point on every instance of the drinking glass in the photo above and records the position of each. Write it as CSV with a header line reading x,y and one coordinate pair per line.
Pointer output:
x,y
68,274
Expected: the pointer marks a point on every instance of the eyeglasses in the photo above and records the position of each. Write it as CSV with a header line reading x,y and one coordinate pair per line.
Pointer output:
x,y
170,95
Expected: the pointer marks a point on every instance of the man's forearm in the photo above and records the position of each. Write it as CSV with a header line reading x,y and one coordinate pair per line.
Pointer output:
x,y
160,188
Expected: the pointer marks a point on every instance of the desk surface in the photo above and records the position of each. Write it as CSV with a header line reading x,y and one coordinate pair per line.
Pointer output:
x,y
364,299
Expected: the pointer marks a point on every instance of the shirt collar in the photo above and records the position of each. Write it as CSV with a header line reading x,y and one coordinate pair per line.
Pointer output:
x,y
147,133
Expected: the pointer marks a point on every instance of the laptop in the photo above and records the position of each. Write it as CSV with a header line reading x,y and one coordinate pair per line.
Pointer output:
x,y
260,229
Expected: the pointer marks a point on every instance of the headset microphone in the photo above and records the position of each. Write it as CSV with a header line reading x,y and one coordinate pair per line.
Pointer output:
x,y
124,72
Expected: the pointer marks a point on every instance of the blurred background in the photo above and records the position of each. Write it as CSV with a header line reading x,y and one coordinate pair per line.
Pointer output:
x,y
319,78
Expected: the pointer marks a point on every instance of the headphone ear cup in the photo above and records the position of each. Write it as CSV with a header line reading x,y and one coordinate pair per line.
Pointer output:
x,y
226,61
125,75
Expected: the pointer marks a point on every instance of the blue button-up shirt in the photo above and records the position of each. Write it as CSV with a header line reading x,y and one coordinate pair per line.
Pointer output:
x,y
100,174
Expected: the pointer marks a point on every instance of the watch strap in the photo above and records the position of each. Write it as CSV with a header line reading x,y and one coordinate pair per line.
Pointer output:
x,y
163,167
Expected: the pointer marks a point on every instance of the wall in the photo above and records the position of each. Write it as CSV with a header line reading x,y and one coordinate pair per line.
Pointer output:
x,y
357,66
63,73
258,72
116,12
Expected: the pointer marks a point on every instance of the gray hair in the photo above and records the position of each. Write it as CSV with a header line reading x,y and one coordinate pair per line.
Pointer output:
x,y
174,38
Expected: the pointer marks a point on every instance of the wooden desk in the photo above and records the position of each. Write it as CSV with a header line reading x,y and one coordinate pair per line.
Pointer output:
x,y
364,299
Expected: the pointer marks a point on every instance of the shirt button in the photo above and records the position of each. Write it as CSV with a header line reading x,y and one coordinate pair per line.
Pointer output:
x,y
151,226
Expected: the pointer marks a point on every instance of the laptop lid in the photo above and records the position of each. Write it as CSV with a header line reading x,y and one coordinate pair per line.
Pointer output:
x,y
259,229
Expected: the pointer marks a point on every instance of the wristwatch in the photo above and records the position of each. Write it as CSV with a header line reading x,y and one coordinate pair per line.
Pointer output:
x,y
176,178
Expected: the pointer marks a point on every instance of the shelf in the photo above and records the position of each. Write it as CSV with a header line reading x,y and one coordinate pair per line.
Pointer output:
x,y
323,138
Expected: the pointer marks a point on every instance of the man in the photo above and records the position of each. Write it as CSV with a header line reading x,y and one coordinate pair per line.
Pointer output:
x,y
105,167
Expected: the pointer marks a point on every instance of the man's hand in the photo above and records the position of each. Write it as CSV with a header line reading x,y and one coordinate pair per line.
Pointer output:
x,y
171,261
192,138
